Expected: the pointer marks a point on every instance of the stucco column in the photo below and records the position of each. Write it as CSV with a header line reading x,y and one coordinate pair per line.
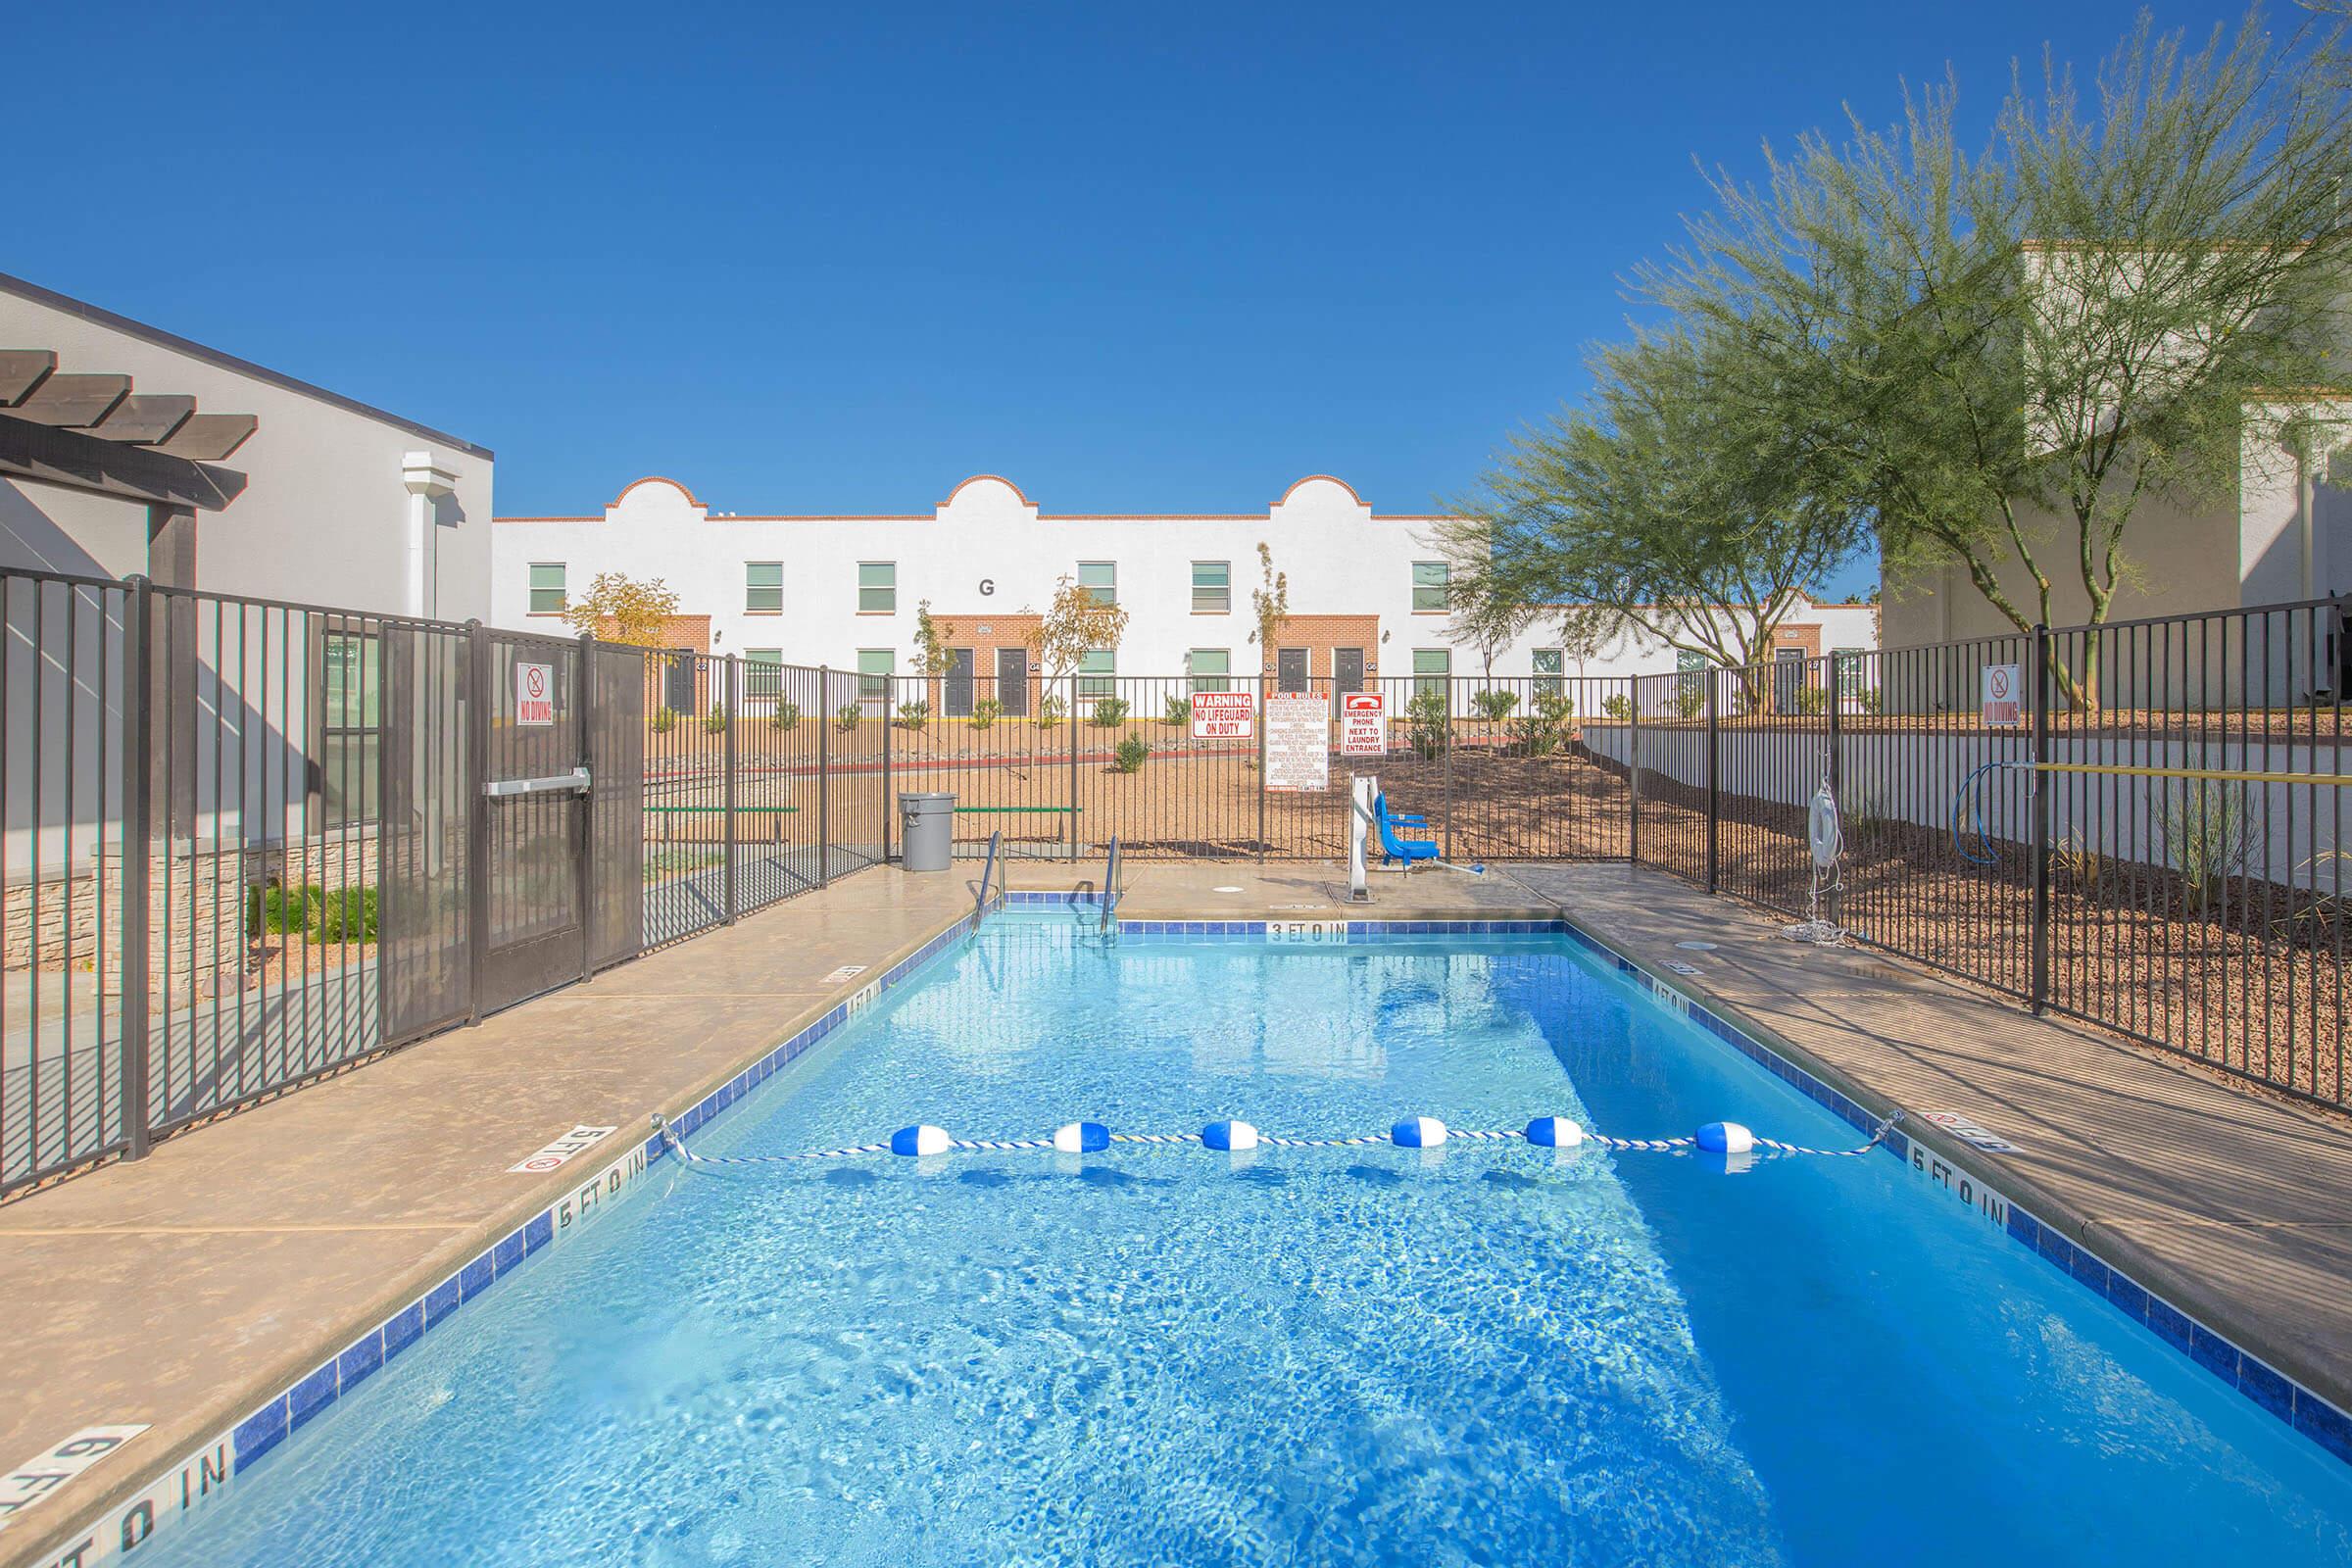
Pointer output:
x,y
427,484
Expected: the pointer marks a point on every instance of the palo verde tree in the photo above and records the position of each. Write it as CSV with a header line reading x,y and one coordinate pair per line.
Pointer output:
x,y
1668,506
1270,603
618,609
2134,293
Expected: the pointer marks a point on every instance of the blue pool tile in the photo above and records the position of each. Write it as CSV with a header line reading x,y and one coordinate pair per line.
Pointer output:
x,y
508,1252
403,1329
362,1357
2057,1250
2171,1324
441,1300
476,1277
2323,1424
2021,1226
2267,1388
538,1230
2128,1299
2213,1352
2090,1271
311,1396
260,1432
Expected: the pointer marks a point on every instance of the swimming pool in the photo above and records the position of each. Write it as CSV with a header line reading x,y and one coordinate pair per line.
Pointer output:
x,y
1477,1354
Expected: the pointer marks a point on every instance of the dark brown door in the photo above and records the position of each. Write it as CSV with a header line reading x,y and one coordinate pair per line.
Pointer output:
x,y
1290,670
1013,681
956,698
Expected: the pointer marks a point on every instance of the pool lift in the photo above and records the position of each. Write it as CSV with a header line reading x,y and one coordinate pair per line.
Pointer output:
x,y
1824,836
1369,816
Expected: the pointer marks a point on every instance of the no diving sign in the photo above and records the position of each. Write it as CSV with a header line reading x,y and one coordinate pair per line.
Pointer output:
x,y
2003,686
534,694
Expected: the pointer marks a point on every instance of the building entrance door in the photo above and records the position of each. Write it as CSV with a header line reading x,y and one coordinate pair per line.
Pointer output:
x,y
1013,682
1290,670
956,698
1346,671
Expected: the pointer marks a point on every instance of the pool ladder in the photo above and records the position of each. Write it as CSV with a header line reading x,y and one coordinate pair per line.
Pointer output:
x,y
1110,884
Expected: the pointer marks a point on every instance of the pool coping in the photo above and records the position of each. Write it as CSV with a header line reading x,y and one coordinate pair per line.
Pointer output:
x,y
131,1515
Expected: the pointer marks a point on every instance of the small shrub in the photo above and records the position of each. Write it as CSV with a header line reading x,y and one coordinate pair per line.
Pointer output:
x,y
1617,705
2077,861
1426,723
1690,700
1132,752
1812,700
346,915
2203,829
1180,710
665,720
1495,706
1109,713
1541,732
1872,701
986,711
846,716
914,713
1049,712
716,722
787,714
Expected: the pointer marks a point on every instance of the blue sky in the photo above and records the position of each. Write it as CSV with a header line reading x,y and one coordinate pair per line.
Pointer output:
x,y
1134,258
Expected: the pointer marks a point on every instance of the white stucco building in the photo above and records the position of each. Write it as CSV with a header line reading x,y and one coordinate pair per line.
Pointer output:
x,y
340,505
1367,590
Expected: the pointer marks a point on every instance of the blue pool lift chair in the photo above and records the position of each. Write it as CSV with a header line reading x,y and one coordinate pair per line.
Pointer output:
x,y
1401,848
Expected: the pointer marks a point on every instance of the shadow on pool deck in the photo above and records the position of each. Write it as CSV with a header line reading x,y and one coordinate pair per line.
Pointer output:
x,y
181,1289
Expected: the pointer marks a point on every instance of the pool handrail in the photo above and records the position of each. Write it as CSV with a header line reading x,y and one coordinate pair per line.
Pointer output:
x,y
1110,883
987,874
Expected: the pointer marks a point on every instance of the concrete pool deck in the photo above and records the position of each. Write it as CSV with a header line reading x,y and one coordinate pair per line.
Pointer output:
x,y
178,1291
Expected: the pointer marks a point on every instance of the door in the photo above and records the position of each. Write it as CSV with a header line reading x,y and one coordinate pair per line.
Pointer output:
x,y
530,926
1013,681
957,698
678,685
1347,673
1290,670
1787,678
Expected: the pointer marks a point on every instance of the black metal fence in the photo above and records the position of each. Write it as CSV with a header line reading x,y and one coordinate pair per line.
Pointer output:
x,y
245,843
2139,825
249,842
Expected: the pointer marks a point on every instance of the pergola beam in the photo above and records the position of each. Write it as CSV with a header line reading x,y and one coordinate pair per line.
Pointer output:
x,y
72,400
210,437
45,454
145,418
23,369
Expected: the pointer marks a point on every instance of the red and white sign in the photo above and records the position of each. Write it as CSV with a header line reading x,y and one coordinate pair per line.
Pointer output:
x,y
563,1149
1363,725
534,694
1223,715
2002,688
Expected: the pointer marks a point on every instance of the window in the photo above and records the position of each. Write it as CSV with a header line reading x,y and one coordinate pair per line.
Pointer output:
x,y
763,588
1098,672
762,671
1212,587
547,588
1430,581
877,587
874,666
352,708
1849,672
1211,668
1551,665
1101,579
1431,667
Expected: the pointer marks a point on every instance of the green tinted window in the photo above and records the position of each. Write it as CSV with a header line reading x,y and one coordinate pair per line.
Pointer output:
x,y
877,587
1430,579
547,588
762,586
1101,579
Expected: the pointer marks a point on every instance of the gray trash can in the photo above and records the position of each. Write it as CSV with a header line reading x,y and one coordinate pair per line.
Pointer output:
x,y
926,830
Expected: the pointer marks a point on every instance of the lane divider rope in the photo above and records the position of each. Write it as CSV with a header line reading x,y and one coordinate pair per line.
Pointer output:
x,y
1414,1132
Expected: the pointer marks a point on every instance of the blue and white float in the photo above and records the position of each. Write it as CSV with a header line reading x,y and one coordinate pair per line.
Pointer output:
x,y
1726,1138
1081,1138
1231,1135
1418,1132
923,1139
1554,1132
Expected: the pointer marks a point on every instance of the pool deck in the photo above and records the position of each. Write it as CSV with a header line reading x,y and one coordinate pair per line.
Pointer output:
x,y
181,1289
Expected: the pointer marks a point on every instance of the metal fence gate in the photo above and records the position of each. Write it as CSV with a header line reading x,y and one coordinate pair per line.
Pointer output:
x,y
529,920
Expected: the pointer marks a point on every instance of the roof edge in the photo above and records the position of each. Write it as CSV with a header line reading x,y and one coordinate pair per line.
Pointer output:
x,y
23,288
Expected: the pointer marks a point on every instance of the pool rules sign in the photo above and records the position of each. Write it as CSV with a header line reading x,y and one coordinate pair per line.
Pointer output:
x,y
1298,742
534,694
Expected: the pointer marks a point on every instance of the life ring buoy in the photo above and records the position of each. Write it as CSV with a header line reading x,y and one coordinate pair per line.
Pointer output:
x,y
1823,830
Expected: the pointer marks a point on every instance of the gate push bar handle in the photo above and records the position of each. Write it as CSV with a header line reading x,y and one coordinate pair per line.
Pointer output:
x,y
576,781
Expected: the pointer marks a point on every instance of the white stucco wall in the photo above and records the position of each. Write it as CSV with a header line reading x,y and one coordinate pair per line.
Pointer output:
x,y
1340,556
324,519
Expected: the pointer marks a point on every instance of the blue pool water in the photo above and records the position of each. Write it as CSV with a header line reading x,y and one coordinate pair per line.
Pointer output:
x,y
1484,1353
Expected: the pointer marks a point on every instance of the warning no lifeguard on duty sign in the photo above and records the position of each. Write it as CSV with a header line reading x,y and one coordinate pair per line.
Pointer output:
x,y
534,694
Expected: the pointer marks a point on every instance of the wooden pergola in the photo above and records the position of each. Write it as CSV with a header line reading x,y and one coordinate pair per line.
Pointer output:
x,y
93,434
